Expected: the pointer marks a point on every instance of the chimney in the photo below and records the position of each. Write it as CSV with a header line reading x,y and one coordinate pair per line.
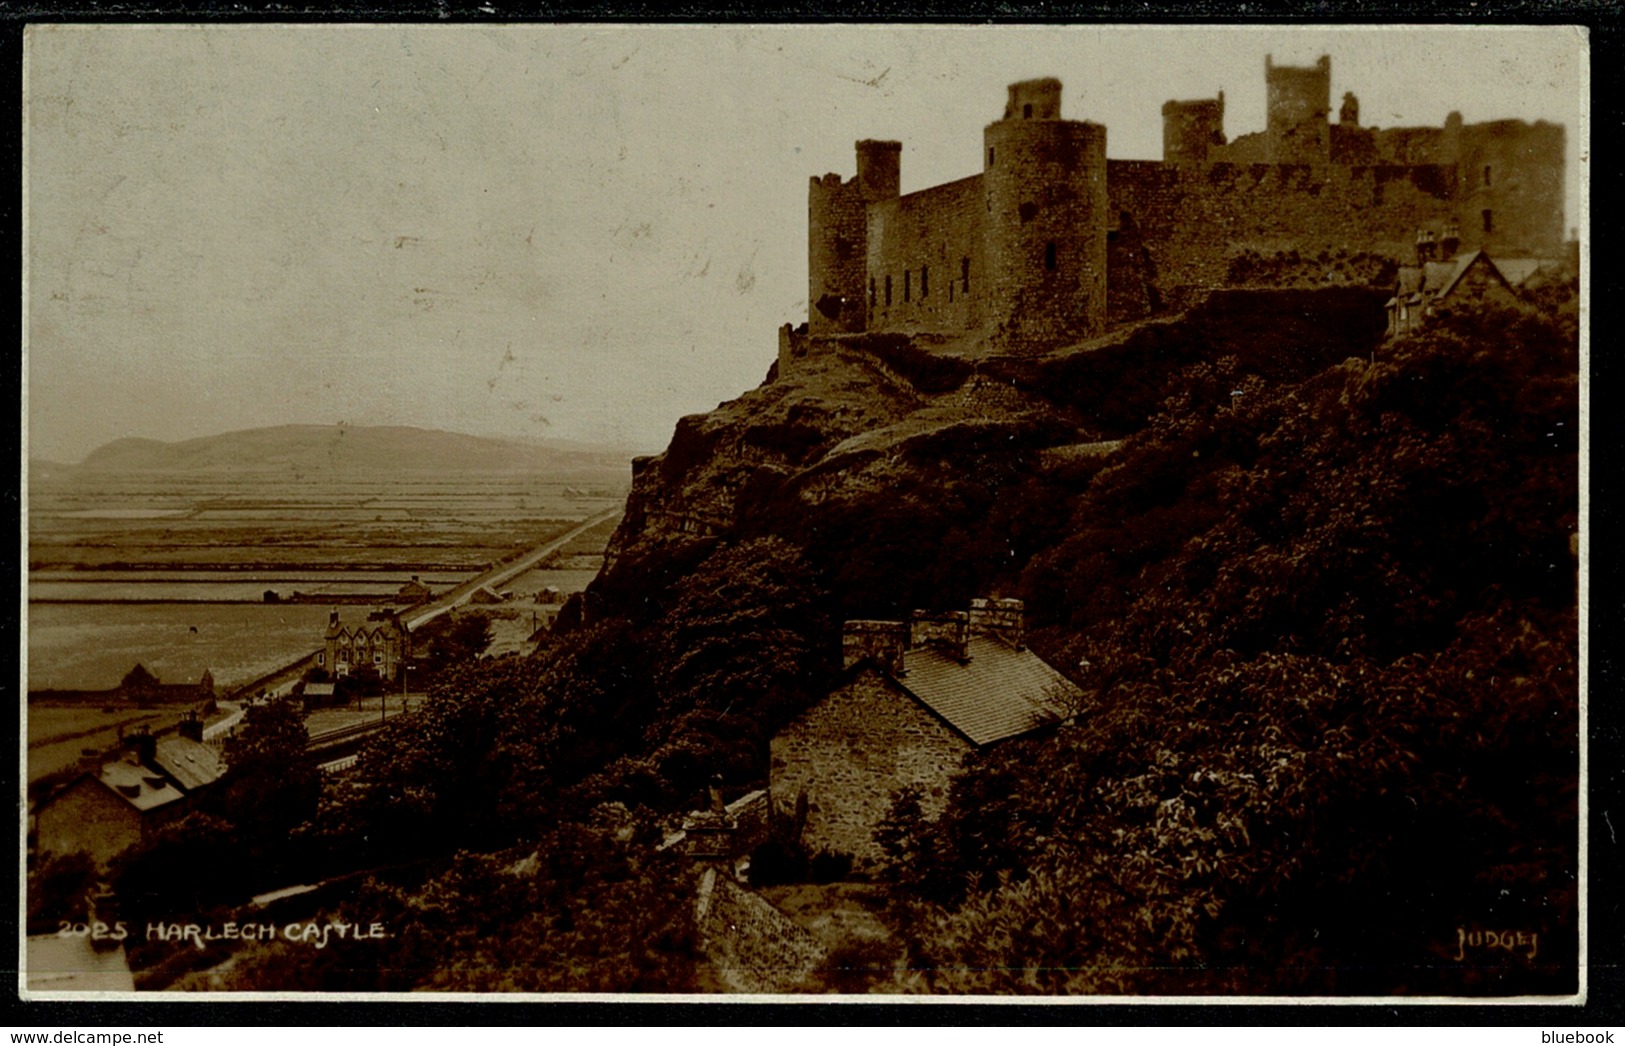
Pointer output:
x,y
1424,246
1450,242
883,642
1004,618
143,746
190,727
949,632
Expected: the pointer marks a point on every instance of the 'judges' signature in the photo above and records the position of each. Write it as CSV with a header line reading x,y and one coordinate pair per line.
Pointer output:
x,y
1485,940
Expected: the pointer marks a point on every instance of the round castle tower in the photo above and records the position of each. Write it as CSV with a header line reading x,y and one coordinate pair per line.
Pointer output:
x,y
837,237
1044,232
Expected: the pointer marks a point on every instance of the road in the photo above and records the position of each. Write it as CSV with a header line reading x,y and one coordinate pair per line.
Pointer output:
x,y
234,715
500,574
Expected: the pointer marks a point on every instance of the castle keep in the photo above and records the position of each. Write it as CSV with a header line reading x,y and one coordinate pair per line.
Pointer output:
x,y
1054,242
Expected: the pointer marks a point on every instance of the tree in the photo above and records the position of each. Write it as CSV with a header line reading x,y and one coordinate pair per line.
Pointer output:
x,y
1331,630
470,767
271,786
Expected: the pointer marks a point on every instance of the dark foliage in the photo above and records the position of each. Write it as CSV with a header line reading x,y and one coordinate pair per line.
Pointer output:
x,y
927,371
451,639
590,908
270,787
1330,633
60,888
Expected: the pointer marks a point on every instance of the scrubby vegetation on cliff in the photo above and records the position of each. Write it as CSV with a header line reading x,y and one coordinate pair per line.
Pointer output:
x,y
1322,598
1331,633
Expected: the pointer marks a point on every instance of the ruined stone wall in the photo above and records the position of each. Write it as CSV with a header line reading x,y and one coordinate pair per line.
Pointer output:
x,y
850,752
1192,221
794,343
753,820
1411,146
929,246
750,945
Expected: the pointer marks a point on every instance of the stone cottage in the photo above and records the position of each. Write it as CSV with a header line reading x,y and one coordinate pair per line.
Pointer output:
x,y
915,699
106,811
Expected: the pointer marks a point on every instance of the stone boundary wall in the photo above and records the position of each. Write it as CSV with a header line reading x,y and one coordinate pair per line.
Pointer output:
x,y
751,945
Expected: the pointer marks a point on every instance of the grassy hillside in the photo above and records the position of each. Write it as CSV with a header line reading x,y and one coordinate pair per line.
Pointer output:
x,y
1319,588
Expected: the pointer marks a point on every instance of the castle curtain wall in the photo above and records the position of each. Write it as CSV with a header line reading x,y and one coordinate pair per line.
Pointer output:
x,y
927,242
1193,220
1058,243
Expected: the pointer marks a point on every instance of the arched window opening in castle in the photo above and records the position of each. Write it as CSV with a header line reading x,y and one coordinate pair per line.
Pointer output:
x,y
1049,256
925,280
888,289
1489,221
964,275
1486,175
1027,112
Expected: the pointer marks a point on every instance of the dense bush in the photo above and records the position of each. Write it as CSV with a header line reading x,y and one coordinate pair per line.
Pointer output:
x,y
1330,634
588,907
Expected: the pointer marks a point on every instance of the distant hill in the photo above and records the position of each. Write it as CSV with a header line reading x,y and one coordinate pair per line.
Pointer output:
x,y
345,448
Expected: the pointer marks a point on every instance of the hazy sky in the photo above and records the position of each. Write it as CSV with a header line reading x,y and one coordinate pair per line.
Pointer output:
x,y
576,232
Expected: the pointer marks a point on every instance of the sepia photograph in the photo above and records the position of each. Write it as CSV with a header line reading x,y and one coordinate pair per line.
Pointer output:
x,y
690,511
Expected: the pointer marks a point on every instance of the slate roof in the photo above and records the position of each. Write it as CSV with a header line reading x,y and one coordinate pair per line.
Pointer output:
x,y
1517,270
1410,280
141,787
1000,692
191,764
1440,274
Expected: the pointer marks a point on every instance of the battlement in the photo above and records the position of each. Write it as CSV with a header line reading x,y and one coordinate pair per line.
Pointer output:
x,y
1025,255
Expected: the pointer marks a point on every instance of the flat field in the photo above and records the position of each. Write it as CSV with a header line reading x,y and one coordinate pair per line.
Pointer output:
x,y
170,569
90,646
267,522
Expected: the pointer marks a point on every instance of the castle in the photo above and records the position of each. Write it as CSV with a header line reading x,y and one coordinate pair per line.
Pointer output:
x,y
1052,242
